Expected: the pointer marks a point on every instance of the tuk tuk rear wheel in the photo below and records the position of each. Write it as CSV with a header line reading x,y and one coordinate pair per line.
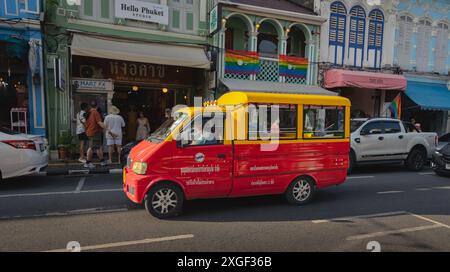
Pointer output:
x,y
300,191
164,200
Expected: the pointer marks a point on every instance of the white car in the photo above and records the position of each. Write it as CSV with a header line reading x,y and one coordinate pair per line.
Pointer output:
x,y
385,140
21,154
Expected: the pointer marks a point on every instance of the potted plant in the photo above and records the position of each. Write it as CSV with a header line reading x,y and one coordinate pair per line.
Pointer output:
x,y
64,143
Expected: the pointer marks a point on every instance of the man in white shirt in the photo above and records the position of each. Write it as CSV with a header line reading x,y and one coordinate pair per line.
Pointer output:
x,y
81,130
114,124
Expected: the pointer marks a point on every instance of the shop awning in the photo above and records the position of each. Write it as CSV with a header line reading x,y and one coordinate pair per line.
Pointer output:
x,y
237,85
429,96
337,78
158,53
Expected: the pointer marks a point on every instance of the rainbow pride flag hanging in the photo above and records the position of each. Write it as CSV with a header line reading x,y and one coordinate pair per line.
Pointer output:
x,y
396,107
241,62
293,66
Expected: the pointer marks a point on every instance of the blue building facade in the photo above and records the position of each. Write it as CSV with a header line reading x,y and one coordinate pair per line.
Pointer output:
x,y
422,53
22,96
422,36
357,41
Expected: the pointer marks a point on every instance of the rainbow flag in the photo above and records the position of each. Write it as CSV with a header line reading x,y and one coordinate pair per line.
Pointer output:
x,y
396,107
241,62
293,66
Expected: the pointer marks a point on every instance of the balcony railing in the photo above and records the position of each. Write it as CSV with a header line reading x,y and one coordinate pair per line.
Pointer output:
x,y
269,70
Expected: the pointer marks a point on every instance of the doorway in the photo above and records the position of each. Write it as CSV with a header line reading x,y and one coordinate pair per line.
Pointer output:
x,y
151,101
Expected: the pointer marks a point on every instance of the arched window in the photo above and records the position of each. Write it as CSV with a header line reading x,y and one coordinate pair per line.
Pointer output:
x,y
376,32
338,22
268,40
357,36
423,45
403,47
441,52
296,43
236,34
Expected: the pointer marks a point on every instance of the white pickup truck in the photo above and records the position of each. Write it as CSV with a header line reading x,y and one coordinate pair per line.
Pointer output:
x,y
385,140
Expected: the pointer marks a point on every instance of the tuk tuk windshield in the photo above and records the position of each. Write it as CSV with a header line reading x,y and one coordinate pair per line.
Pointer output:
x,y
167,127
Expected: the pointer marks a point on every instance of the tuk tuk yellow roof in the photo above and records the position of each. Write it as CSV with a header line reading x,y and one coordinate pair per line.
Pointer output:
x,y
236,98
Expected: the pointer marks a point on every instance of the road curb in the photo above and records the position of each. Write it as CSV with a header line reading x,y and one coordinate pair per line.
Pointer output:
x,y
66,172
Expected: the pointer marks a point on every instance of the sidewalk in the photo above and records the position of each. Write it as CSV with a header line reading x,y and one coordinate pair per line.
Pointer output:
x,y
74,167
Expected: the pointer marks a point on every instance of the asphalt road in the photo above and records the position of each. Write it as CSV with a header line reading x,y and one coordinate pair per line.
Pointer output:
x,y
386,208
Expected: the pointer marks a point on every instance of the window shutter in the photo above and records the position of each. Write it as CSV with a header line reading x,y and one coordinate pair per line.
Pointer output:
x,y
404,39
423,46
104,9
441,52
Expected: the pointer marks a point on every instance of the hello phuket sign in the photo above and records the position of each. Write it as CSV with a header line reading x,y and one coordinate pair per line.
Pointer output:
x,y
142,11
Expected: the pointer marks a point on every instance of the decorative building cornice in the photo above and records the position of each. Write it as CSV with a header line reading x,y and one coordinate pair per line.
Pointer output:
x,y
280,14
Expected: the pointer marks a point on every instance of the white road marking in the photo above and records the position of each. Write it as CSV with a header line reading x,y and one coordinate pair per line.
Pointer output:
x,y
390,192
427,173
61,193
442,188
360,177
80,185
115,171
430,220
129,243
424,189
359,217
390,232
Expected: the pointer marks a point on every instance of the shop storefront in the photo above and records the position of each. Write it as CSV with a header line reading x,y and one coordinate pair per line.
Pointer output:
x,y
136,77
427,101
370,93
21,83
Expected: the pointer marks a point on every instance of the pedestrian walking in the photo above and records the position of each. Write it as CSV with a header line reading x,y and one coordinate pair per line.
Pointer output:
x,y
81,130
94,132
113,125
143,127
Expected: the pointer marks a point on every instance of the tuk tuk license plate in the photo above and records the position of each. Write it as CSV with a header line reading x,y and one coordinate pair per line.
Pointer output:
x,y
447,166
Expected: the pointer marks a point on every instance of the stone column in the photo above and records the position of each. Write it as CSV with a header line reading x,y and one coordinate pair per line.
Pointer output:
x,y
221,54
283,51
312,59
253,47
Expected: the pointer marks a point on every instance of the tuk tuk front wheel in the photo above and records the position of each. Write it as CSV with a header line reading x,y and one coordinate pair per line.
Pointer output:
x,y
164,200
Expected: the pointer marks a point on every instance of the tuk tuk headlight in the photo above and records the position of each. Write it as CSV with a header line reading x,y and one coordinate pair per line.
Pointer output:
x,y
139,168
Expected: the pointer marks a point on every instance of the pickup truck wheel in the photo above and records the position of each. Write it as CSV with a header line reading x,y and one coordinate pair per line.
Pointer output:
x,y
351,162
164,200
300,191
416,160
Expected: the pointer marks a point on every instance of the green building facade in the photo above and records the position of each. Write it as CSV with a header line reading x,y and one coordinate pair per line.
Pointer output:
x,y
141,56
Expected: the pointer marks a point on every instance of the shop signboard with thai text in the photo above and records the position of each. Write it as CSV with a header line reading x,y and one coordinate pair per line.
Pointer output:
x,y
132,72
